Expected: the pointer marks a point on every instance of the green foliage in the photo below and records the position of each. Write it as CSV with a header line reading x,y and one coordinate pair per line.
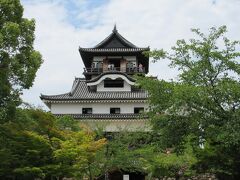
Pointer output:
x,y
201,109
170,164
24,150
34,143
140,152
204,103
36,146
155,54
67,123
123,152
78,153
19,61
29,172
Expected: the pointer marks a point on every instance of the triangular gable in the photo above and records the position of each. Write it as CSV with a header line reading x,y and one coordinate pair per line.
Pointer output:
x,y
115,40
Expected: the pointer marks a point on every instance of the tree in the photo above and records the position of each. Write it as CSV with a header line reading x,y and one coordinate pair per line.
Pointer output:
x,y
76,154
169,164
36,146
18,59
129,152
204,104
124,152
68,123
139,153
26,149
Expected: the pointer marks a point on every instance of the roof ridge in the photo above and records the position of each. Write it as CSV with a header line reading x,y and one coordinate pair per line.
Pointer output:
x,y
104,40
44,96
74,87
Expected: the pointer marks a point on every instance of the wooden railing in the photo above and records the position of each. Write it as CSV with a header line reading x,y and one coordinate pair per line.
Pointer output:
x,y
135,70
93,70
127,70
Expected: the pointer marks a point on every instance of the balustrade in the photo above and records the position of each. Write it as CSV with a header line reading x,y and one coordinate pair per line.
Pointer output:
x,y
127,70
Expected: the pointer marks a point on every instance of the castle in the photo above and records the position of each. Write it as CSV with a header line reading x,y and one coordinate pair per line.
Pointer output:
x,y
107,97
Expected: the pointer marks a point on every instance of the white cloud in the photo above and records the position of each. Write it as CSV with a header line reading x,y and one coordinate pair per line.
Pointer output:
x,y
157,23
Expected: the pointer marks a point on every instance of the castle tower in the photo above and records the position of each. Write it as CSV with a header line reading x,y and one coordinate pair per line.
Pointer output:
x,y
107,97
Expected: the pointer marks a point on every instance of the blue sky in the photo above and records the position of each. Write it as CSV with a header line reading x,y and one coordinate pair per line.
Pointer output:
x,y
64,25
74,8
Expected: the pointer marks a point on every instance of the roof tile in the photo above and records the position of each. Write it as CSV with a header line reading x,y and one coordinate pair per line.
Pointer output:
x,y
80,91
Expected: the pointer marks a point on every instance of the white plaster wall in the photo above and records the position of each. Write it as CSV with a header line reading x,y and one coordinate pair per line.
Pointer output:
x,y
101,88
66,108
98,108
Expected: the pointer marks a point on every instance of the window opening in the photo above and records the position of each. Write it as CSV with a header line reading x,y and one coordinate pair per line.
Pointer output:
x,y
109,83
114,110
86,110
138,110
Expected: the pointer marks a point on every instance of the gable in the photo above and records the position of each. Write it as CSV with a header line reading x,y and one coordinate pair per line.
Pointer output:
x,y
115,40
114,43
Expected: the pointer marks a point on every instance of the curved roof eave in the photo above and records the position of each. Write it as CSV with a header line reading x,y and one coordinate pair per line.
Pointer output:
x,y
81,92
108,73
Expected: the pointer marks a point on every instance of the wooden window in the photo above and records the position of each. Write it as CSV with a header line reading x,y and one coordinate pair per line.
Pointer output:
x,y
118,83
114,110
138,110
86,110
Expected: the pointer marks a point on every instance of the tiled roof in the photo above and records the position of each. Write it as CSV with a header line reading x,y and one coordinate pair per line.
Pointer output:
x,y
115,42
105,116
113,35
80,91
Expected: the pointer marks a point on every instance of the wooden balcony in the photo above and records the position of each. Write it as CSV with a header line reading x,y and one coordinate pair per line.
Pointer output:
x,y
96,71
92,71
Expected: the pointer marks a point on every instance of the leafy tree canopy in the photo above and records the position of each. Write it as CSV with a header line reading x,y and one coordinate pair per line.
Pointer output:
x,y
36,146
19,61
204,103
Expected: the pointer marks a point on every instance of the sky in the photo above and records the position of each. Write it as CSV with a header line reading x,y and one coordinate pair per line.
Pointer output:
x,y
64,25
